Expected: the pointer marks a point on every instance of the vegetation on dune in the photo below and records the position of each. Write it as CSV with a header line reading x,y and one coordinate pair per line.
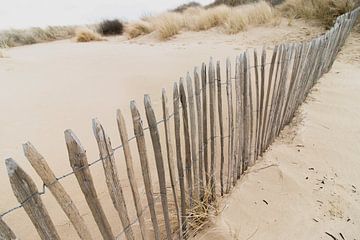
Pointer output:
x,y
231,19
325,11
111,27
87,35
139,28
14,37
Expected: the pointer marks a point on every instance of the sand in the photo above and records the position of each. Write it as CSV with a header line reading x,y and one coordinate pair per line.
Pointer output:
x,y
47,88
307,185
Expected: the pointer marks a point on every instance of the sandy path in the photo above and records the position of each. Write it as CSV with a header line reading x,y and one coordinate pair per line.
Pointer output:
x,y
47,88
308,183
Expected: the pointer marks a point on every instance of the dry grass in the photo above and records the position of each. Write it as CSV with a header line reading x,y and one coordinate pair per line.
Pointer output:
x,y
16,37
139,28
252,14
167,24
231,19
325,11
207,18
87,35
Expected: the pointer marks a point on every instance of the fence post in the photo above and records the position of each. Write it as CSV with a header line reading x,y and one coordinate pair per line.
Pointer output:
x,y
200,132
5,231
262,93
229,101
80,166
170,154
211,75
267,107
220,113
236,146
150,115
257,89
186,141
250,107
112,179
41,167
176,100
141,146
130,171
205,125
190,92
27,194
246,111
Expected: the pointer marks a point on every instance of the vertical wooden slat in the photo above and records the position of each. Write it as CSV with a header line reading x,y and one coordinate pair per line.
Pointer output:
x,y
221,125
267,98
212,127
200,131
257,93
142,150
155,138
236,147
80,166
130,172
195,168
273,97
242,130
205,124
170,154
176,99
262,99
229,101
186,141
246,112
251,113
27,194
112,178
5,231
48,177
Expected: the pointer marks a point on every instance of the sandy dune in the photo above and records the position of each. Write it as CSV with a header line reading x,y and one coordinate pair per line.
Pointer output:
x,y
307,185
47,88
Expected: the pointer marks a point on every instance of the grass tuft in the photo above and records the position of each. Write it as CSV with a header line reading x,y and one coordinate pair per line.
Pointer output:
x,y
168,24
325,11
87,35
139,28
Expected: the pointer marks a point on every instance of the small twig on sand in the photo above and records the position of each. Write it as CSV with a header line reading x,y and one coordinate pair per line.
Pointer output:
x,y
331,236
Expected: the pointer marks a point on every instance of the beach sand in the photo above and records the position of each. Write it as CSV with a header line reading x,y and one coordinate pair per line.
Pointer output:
x,y
50,87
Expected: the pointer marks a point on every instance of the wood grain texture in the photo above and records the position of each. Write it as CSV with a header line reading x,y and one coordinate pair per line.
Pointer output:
x,y
176,101
142,150
130,172
41,167
170,155
79,164
5,231
155,138
112,179
27,194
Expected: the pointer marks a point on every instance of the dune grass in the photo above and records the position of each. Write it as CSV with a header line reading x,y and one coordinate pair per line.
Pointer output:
x,y
87,35
16,37
325,11
230,19
138,28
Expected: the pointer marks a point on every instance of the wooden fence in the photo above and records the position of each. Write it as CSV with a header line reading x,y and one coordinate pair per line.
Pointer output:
x,y
217,137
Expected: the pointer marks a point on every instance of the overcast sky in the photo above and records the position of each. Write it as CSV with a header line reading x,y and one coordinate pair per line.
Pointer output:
x,y
28,13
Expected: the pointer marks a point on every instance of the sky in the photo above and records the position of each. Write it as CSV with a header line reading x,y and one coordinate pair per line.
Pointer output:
x,y
42,13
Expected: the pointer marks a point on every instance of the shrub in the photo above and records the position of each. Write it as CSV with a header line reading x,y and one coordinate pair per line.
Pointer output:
x,y
86,35
139,28
111,27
